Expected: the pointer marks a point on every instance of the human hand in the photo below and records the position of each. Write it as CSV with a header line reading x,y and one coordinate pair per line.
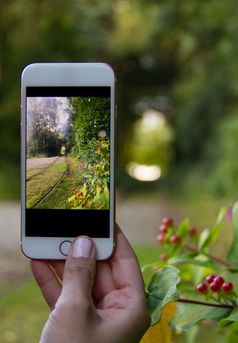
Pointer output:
x,y
96,302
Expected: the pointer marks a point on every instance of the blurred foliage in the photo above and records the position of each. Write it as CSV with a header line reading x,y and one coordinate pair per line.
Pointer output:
x,y
224,177
179,56
150,141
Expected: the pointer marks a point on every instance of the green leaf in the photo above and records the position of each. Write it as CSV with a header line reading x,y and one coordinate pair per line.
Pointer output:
x,y
213,234
183,228
190,259
174,250
203,238
233,252
221,215
187,315
162,290
233,317
148,270
209,236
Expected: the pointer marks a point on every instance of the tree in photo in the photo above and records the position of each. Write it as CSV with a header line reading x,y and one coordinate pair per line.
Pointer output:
x,y
47,125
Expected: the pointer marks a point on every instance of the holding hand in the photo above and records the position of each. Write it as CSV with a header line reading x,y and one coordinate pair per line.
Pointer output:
x,y
96,302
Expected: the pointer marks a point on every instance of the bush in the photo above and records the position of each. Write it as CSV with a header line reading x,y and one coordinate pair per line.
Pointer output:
x,y
203,285
94,193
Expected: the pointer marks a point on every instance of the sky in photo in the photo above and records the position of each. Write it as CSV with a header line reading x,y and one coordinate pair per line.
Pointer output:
x,y
51,112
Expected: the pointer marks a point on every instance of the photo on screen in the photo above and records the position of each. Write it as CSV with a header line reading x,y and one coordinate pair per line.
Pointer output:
x,y
68,152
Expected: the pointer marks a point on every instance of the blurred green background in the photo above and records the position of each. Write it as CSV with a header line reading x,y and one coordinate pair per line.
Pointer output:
x,y
176,64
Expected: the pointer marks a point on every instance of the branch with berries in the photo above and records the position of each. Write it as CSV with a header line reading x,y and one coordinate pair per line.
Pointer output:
x,y
183,238
215,288
181,274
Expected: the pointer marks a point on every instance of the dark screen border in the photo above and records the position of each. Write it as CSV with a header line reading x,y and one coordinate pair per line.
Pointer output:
x,y
67,223
68,91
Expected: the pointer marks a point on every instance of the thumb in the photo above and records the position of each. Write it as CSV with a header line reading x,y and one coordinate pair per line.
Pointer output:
x,y
79,271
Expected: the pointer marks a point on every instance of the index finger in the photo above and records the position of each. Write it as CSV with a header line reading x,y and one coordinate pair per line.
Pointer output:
x,y
47,281
125,267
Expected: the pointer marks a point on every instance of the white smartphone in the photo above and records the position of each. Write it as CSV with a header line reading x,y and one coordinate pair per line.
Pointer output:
x,y
67,158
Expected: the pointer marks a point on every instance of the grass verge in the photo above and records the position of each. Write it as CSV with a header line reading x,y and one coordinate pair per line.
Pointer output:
x,y
43,182
63,191
23,313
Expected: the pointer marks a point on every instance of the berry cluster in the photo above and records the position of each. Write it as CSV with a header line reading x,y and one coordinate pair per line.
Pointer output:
x,y
166,232
215,284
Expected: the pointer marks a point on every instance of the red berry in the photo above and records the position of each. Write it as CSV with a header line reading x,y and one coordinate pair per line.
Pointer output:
x,y
227,286
174,239
163,228
79,194
160,238
219,281
215,287
210,278
192,231
202,288
163,257
167,221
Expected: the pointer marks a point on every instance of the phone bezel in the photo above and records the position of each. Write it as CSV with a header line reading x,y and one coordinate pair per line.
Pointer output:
x,y
66,74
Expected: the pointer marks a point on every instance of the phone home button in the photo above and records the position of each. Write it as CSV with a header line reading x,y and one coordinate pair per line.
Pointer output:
x,y
64,247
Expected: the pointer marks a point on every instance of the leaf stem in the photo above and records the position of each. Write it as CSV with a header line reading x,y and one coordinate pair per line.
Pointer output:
x,y
214,258
204,303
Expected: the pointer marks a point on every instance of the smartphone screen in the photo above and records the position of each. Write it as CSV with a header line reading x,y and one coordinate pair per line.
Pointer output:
x,y
67,183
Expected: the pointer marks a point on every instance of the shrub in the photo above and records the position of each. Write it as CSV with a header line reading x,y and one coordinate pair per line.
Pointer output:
x,y
203,285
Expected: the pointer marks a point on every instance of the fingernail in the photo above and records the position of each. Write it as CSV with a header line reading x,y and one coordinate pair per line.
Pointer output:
x,y
82,248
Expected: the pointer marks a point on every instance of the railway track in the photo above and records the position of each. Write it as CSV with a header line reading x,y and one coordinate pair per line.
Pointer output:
x,y
52,188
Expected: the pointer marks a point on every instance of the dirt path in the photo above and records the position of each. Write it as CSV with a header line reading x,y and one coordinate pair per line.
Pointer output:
x,y
41,162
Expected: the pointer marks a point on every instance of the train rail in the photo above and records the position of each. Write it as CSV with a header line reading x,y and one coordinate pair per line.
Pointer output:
x,y
51,189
